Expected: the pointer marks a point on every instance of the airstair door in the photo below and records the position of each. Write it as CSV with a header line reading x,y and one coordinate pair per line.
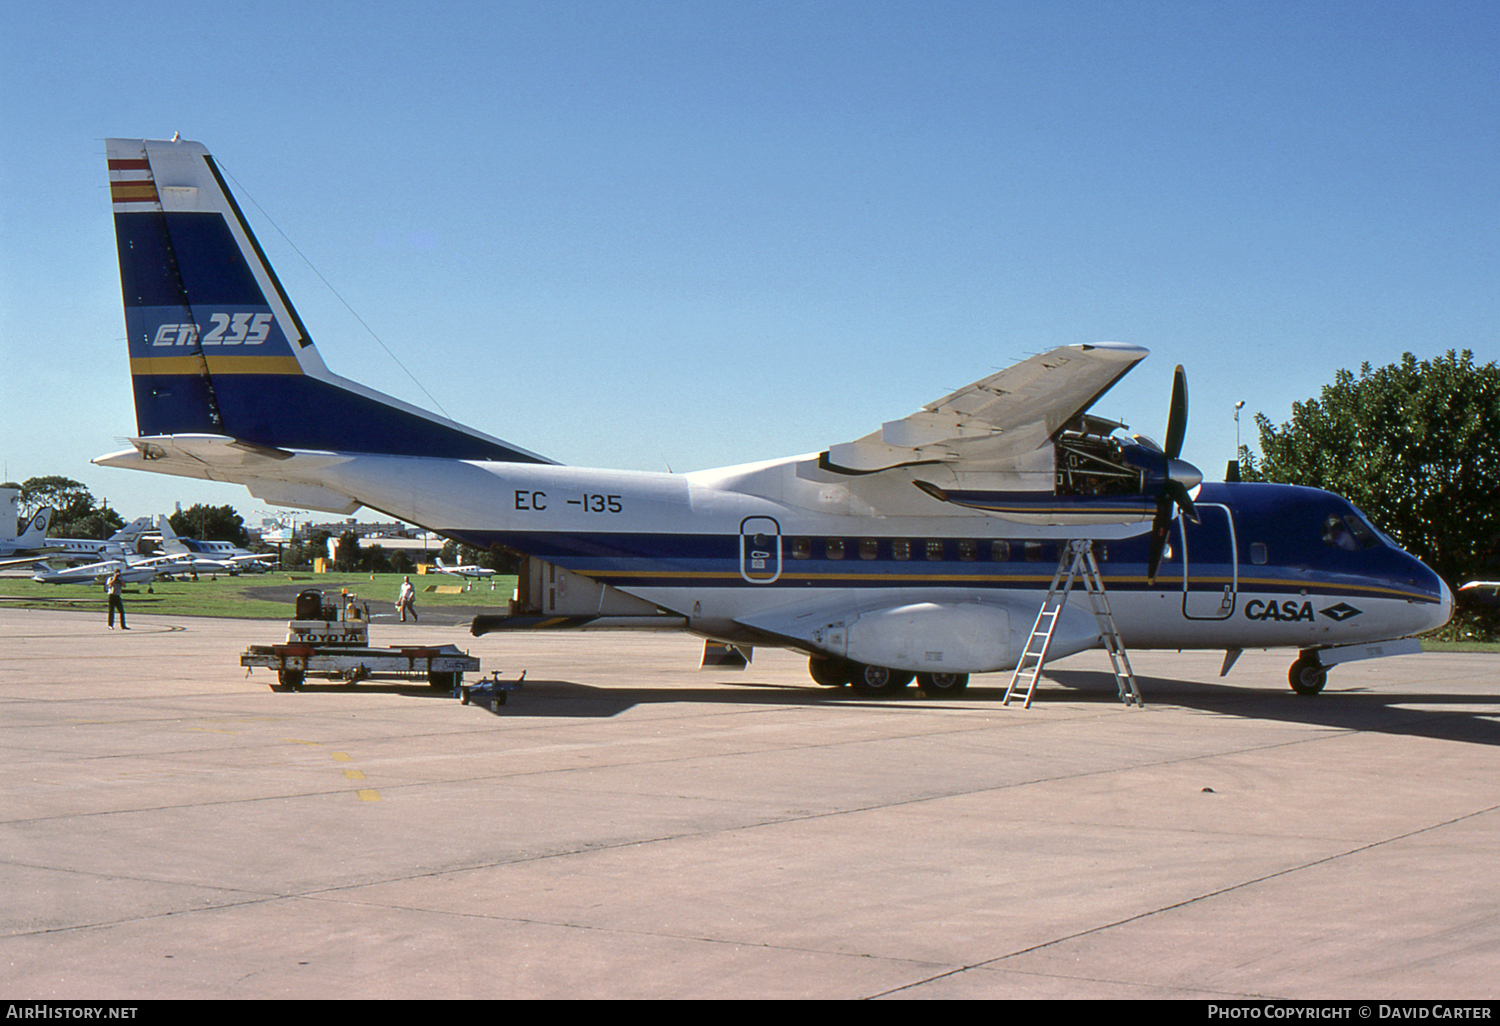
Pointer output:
x,y
1210,563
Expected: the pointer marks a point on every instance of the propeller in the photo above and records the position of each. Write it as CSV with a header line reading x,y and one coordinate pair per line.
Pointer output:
x,y
1177,476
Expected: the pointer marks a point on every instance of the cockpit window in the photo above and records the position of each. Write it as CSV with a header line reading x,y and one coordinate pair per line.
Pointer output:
x,y
1349,533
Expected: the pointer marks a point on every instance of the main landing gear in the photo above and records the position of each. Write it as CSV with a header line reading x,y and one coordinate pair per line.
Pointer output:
x,y
1307,675
831,671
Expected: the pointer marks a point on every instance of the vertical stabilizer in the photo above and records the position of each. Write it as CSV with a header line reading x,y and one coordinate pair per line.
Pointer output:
x,y
216,347
35,534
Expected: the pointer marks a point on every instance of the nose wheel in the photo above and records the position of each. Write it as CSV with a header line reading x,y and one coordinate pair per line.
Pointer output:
x,y
1307,675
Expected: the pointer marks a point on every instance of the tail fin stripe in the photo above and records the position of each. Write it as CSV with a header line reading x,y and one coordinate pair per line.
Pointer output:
x,y
132,192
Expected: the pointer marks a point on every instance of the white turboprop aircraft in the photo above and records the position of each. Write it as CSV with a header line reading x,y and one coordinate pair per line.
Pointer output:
x,y
922,548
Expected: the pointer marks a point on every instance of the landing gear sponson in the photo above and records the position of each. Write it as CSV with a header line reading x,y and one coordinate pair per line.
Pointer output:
x,y
831,671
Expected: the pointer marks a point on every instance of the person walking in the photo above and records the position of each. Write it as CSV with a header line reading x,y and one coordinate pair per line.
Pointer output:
x,y
113,586
406,600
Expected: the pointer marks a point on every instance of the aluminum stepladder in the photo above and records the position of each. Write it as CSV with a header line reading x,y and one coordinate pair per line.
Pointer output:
x,y
1076,560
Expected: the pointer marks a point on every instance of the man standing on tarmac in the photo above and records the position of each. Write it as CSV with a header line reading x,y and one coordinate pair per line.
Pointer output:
x,y
115,602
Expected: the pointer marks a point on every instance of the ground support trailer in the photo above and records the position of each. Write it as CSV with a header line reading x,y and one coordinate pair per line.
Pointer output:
x,y
332,641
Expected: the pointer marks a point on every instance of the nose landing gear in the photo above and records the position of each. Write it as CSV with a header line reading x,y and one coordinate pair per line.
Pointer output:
x,y
1307,675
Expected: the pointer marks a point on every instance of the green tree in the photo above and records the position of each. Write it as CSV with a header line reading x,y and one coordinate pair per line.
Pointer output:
x,y
71,499
346,555
1415,445
210,523
76,514
99,523
315,547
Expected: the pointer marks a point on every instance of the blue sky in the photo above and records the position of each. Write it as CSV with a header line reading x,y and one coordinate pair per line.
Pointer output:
x,y
690,234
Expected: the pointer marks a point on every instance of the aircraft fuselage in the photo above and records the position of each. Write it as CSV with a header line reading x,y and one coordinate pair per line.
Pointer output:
x,y
1261,568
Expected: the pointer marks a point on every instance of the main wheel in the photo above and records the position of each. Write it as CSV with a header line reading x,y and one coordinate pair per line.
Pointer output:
x,y
1307,675
942,683
830,671
879,680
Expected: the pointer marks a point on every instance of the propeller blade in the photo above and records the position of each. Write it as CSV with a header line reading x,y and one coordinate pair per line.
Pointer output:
x,y
1177,476
1159,528
1177,416
1179,493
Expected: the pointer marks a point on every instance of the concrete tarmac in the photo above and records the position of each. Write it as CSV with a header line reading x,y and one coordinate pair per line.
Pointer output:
x,y
629,826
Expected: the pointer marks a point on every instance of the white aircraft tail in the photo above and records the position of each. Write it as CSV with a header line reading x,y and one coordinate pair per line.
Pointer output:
x,y
35,533
216,347
132,531
171,545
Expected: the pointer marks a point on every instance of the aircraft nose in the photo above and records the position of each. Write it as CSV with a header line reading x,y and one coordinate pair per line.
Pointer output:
x,y
1444,610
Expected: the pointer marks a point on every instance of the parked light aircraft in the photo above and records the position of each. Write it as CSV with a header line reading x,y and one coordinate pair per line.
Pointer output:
x,y
1486,593
467,570
924,547
142,571
209,556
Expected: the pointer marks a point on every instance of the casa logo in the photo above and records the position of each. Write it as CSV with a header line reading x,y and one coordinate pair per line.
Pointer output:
x,y
225,329
1291,611
1288,611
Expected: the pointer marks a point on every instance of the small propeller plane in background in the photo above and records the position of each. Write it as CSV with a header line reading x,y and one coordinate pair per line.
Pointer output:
x,y
143,571
472,570
923,548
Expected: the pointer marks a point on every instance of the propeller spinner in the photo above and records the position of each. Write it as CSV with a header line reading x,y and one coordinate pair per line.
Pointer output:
x,y
1178,476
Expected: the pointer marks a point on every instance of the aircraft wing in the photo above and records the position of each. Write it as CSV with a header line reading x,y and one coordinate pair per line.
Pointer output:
x,y
1006,414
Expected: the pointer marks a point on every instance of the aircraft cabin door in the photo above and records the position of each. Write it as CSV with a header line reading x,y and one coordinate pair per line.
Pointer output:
x,y
760,549
1210,563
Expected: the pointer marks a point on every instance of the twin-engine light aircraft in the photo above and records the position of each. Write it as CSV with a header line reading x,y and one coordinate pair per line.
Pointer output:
x,y
471,570
922,548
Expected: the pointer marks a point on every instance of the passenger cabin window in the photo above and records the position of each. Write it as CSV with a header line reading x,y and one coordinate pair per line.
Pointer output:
x,y
835,548
934,549
1258,553
900,549
1000,551
869,548
801,548
1033,552
968,550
